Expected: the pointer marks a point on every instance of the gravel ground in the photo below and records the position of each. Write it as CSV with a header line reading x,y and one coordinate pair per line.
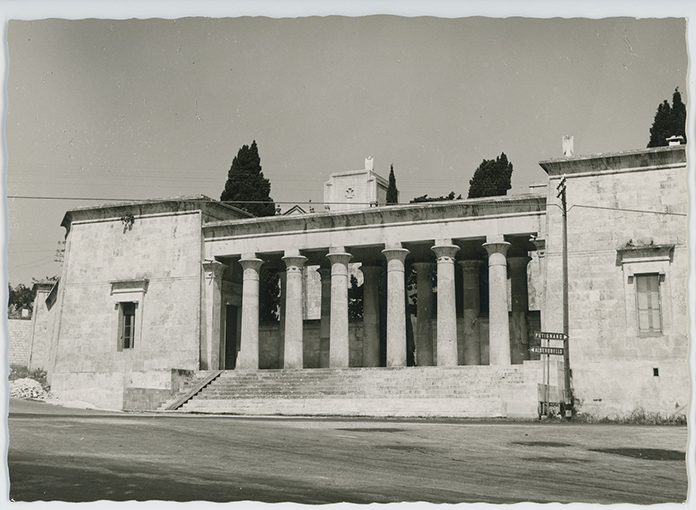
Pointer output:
x,y
56,453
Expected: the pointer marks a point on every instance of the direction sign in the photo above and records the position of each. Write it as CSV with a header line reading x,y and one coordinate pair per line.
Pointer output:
x,y
547,350
543,335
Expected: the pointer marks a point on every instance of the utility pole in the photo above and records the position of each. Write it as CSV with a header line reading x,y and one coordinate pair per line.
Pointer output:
x,y
566,358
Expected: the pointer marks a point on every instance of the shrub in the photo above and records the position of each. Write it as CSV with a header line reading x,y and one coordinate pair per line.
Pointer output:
x,y
21,372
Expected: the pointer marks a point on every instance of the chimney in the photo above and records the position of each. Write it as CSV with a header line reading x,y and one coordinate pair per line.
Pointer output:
x,y
568,145
675,140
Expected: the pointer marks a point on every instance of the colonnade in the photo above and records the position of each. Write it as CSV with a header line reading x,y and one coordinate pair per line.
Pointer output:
x,y
334,328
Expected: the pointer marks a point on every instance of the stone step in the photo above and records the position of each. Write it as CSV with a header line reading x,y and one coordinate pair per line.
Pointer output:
x,y
411,407
191,386
414,391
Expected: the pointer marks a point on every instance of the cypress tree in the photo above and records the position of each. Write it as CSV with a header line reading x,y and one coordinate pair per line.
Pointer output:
x,y
246,183
491,178
392,192
669,121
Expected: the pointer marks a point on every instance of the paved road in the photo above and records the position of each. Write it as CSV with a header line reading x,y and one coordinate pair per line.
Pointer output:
x,y
79,455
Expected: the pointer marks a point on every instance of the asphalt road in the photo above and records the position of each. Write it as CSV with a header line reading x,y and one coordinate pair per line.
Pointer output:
x,y
80,455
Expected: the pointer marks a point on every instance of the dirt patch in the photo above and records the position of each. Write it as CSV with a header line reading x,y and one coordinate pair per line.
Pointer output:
x,y
556,460
545,444
644,453
375,429
403,448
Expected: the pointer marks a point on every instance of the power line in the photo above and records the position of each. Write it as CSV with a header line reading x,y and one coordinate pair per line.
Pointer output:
x,y
27,197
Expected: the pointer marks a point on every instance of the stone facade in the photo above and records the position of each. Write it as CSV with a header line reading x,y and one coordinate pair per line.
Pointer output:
x,y
355,190
148,254
627,216
154,289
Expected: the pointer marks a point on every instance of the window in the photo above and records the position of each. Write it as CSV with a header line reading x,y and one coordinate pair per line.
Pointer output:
x,y
647,289
648,303
126,334
129,296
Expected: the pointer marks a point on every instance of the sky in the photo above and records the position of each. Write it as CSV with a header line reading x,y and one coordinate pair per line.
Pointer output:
x,y
131,109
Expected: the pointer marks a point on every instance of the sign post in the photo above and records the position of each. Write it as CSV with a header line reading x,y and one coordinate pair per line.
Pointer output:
x,y
546,350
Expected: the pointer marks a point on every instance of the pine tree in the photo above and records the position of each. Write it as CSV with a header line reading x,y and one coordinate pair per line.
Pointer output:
x,y
246,183
669,121
392,192
491,178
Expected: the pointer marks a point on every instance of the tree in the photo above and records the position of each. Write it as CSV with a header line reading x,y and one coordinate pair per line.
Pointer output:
x,y
19,297
426,198
355,299
392,192
669,121
491,178
246,183
269,295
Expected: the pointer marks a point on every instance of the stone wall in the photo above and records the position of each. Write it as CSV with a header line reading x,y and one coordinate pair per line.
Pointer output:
x,y
614,209
161,253
43,323
19,336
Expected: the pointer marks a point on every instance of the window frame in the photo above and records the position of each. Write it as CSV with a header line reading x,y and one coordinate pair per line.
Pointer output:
x,y
127,325
126,293
651,260
652,309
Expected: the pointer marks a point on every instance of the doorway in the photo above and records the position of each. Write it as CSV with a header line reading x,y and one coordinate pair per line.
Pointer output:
x,y
231,346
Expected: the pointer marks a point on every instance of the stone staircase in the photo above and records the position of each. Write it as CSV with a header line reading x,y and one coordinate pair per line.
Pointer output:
x,y
189,389
463,391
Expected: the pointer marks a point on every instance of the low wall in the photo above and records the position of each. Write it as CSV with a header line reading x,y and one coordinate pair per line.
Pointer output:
x,y
19,336
131,391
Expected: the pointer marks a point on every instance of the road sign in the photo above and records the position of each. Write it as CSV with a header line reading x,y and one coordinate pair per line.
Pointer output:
x,y
547,350
543,335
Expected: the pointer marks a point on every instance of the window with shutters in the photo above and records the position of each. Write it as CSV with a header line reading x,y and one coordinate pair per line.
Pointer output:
x,y
648,309
646,271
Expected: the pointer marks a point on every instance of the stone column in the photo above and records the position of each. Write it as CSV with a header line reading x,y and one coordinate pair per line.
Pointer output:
x,y
396,306
282,284
293,310
371,276
446,304
325,324
210,346
249,345
472,309
339,350
424,313
499,322
520,306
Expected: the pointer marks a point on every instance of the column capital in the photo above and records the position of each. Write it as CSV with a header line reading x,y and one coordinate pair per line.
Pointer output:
x,y
369,271
325,273
294,262
251,263
496,247
422,266
470,265
339,257
445,252
518,263
214,267
540,244
398,254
